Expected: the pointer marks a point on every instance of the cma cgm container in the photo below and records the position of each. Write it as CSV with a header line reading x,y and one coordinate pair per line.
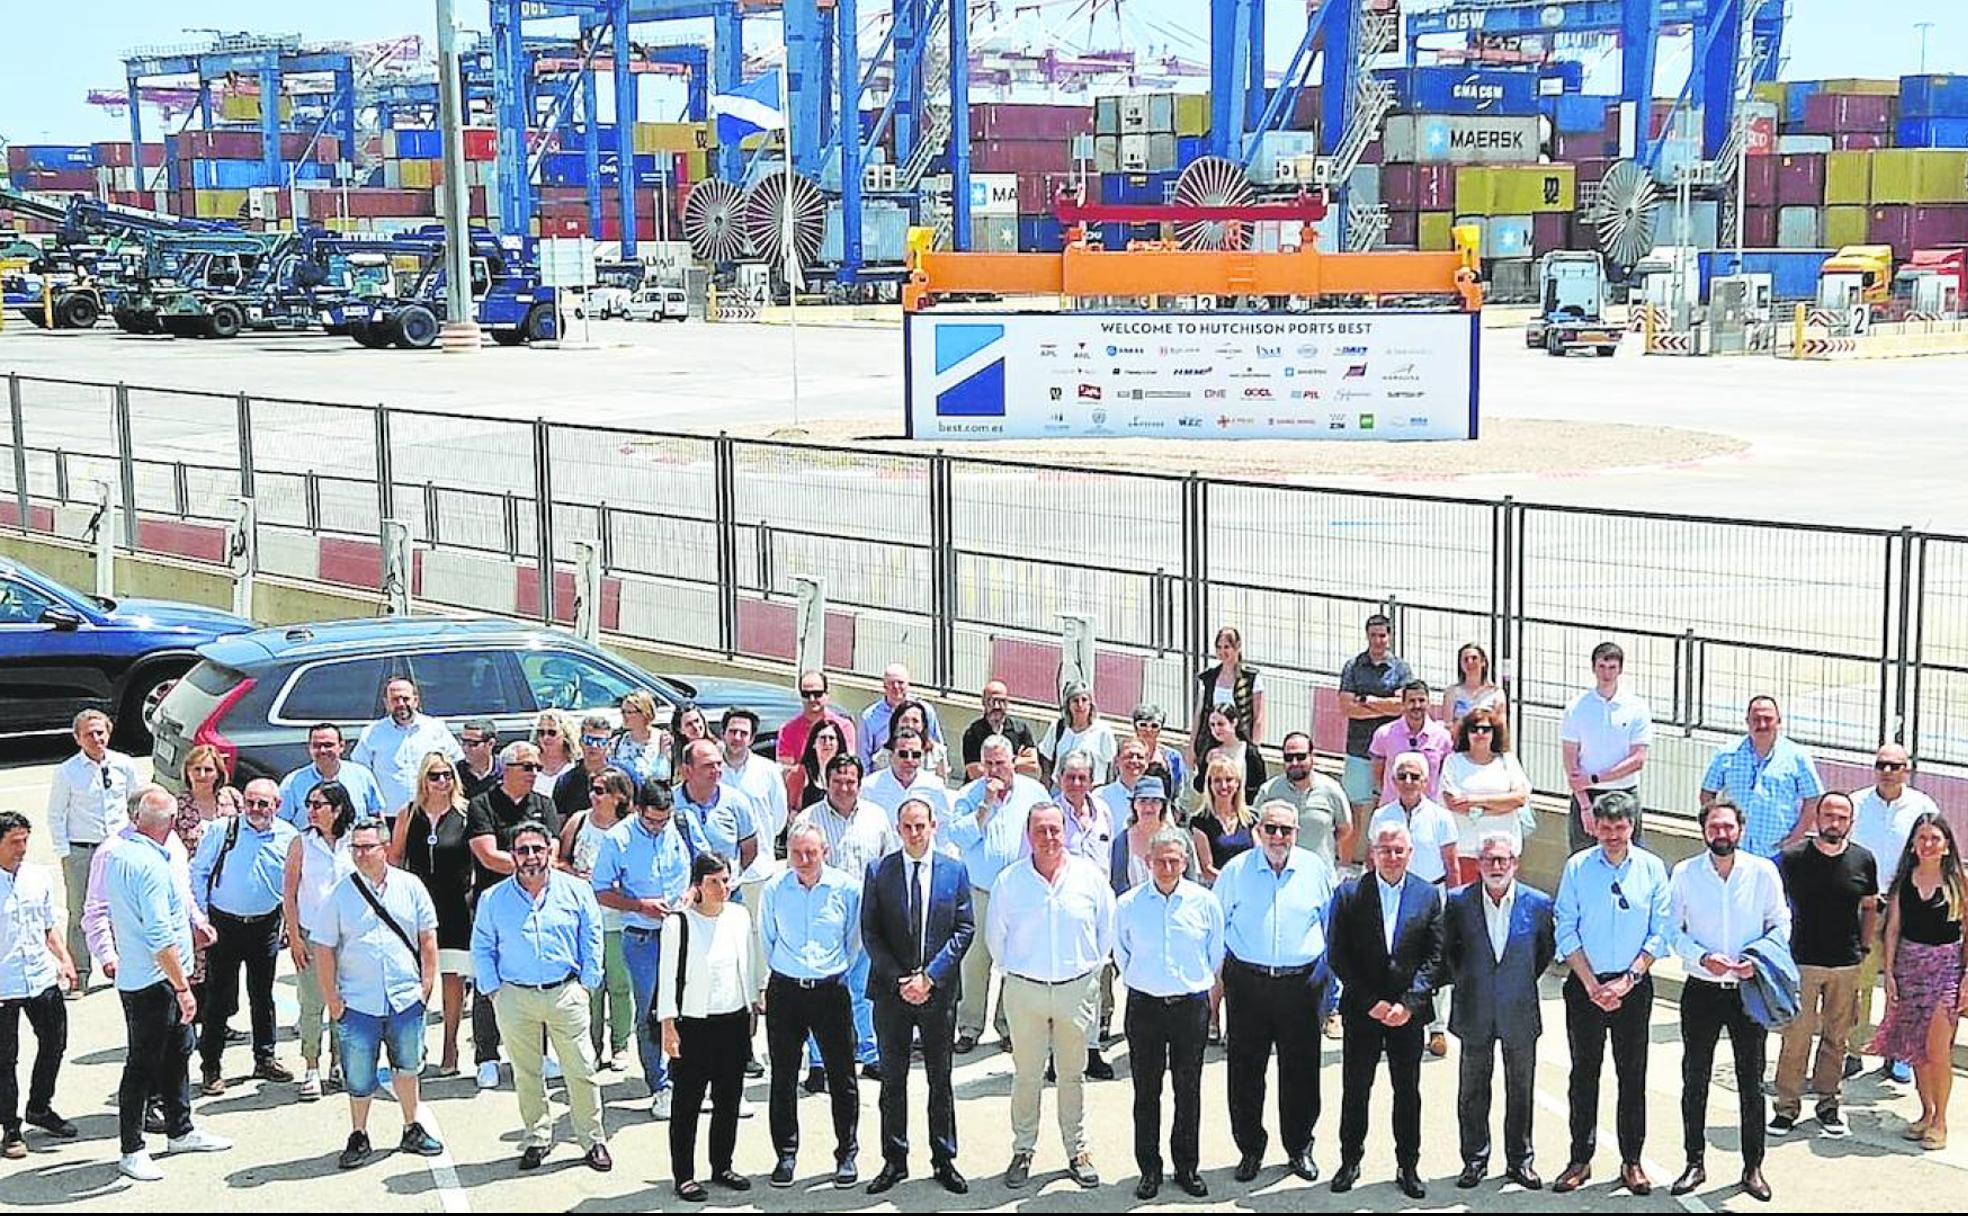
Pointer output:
x,y
1461,139
1492,92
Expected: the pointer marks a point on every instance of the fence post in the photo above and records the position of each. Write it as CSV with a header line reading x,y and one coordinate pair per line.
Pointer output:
x,y
244,428
724,511
126,459
942,583
1195,581
1503,559
385,466
1912,740
543,513
1899,651
18,421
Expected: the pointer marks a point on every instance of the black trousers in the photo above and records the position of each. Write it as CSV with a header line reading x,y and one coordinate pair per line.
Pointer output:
x,y
48,1016
1473,1100
1360,1052
1167,1036
1706,1011
897,1023
713,1059
255,944
1587,1028
1263,1013
826,1013
157,1065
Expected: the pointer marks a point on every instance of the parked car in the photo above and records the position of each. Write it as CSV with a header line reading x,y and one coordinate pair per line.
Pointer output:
x,y
62,652
659,304
606,302
254,696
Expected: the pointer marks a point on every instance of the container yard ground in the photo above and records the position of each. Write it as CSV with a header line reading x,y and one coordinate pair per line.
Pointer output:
x,y
1877,444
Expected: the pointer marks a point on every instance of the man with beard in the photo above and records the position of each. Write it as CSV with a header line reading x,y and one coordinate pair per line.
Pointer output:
x,y
1722,903
1830,880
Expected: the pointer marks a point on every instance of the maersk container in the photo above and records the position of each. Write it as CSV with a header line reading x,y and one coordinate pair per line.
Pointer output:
x,y
1462,139
1793,272
1934,96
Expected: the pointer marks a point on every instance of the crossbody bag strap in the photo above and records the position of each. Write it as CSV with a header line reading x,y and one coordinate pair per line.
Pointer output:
x,y
383,915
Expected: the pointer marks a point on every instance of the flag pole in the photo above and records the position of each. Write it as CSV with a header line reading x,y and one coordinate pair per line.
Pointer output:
x,y
789,256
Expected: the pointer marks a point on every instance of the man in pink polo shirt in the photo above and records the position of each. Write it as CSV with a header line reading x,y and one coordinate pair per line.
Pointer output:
x,y
814,709
1416,730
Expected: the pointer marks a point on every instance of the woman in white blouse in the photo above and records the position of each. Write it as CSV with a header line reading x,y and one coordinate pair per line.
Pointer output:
x,y
704,1000
1485,787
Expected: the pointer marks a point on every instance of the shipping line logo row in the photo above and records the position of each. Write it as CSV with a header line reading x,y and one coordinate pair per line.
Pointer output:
x,y
1086,392
1101,422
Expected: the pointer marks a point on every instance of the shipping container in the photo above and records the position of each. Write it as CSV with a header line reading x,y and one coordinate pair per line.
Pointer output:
x,y
1550,230
1106,116
1491,92
1022,156
1759,227
1006,120
1848,179
1803,145
1363,186
1845,226
1433,231
1861,141
1801,181
1703,230
1591,172
1403,229
884,233
1869,85
1907,176
1933,97
50,158
1510,280
1137,189
1503,236
1275,162
1842,113
1793,272
1106,154
1759,181
1582,113
1462,139
1192,114
1418,187
117,155
1799,228
1678,153
1515,189
1189,149
1935,132
1907,228
1797,94
1589,145
56,181
411,143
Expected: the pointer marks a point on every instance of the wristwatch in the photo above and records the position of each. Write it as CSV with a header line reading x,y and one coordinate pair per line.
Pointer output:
x,y
1634,977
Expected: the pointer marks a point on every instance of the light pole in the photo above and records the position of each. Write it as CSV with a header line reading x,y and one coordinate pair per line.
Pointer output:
x,y
460,332
1923,27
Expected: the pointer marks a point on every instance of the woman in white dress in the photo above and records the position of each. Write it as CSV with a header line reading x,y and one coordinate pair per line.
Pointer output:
x,y
1484,786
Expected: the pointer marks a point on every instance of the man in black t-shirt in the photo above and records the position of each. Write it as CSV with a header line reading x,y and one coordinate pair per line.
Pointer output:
x,y
489,823
570,793
997,720
1832,884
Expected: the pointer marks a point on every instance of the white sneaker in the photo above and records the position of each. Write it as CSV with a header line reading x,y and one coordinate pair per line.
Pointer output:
x,y
311,1085
550,1071
198,1140
488,1075
659,1106
138,1167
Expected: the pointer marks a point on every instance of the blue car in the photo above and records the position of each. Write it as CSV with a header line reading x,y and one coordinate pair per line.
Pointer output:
x,y
62,652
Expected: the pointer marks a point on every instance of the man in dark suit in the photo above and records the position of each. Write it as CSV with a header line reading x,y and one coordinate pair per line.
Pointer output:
x,y
916,924
1385,944
1497,939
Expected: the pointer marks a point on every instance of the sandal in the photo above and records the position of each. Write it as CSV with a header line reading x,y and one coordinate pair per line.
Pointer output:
x,y
1915,1131
1934,1140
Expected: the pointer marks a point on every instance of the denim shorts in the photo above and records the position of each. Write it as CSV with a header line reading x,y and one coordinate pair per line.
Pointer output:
x,y
1357,779
363,1037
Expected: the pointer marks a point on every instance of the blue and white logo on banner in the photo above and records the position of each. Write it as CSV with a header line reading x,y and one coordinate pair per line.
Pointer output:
x,y
970,371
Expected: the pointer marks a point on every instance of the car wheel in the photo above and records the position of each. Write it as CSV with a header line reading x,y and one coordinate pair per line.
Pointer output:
x,y
225,321
147,692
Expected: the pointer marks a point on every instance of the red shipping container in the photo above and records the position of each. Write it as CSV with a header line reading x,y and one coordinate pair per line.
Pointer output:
x,y
1891,226
481,143
1845,113
1760,181
391,204
1550,230
1305,111
1397,187
1588,171
1011,121
1020,156
1762,136
1403,227
64,181
1801,180
1939,224
1574,146
1858,141
1759,227
117,155
1375,154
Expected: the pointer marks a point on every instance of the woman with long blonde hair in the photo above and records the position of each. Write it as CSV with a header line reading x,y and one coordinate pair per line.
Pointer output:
x,y
554,732
431,841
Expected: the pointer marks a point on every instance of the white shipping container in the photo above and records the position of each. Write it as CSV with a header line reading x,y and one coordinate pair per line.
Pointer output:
x,y
1802,145
1161,114
1106,154
1134,113
1162,155
1799,228
1134,153
1082,147
1274,147
1462,139
1107,116
1363,186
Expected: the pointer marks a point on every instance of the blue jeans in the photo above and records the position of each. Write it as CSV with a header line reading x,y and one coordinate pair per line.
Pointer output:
x,y
363,1038
642,951
864,1018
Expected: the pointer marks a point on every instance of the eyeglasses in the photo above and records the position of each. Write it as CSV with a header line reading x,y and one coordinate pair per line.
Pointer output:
x,y
527,766
479,742
908,755
548,732
1889,766
1278,829
597,789
1409,777
1295,757
313,803
812,694
443,774
528,850
264,804
1480,728
594,740
364,848
1621,896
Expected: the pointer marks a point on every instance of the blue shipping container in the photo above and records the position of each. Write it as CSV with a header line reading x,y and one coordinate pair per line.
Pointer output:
x,y
419,144
1580,113
1458,90
1041,234
1190,148
228,174
1934,97
1931,133
58,158
575,138
1796,93
1136,189
1793,272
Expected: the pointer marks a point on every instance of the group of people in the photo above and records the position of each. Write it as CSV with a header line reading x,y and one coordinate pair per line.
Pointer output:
x,y
598,885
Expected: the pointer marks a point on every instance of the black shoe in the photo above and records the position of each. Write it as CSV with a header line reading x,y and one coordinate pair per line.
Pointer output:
x,y
871,1072
357,1152
1410,1183
1192,1185
1097,1068
418,1142
1149,1187
1470,1178
816,1081
48,1121
1248,1166
273,1070
235,1037
1754,1186
1781,1125
885,1181
692,1192
964,1045
1691,1178
599,1160
1303,1166
951,1180
731,1180
754,1070
1853,1067
782,1174
846,1174
1349,1173
533,1156
1019,1172
1525,1177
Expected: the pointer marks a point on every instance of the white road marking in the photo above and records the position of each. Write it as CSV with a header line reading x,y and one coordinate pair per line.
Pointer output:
x,y
443,1171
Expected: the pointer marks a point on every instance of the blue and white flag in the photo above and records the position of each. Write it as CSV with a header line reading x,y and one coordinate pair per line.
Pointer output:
x,y
753,108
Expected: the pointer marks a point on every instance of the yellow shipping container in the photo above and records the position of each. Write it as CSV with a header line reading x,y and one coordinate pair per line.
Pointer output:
x,y
1432,234
697,165
1516,189
1845,226
1770,91
1848,179
1918,175
1192,113
674,136
245,107
1862,85
417,174
220,204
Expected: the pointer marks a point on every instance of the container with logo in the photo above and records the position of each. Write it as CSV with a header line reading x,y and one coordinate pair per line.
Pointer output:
x,y
1516,189
1493,92
1798,228
1462,139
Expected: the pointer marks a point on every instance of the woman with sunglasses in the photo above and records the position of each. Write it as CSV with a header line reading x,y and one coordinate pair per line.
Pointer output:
x,y
642,749
1486,789
1473,688
318,859
432,842
611,799
553,735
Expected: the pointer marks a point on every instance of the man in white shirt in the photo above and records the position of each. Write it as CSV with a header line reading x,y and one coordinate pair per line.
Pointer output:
x,y
1089,834
88,803
1604,736
1432,829
1884,814
393,747
1130,762
1050,924
858,835
34,971
1722,903
757,777
906,778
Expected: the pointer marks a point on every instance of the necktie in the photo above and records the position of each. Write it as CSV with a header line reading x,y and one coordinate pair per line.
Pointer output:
x,y
916,911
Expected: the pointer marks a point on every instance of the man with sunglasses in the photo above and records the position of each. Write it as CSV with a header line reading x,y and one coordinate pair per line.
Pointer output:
x,y
570,792
325,763
489,822
814,709
1883,815
393,747
1612,919
238,878
1324,826
906,778
481,768
88,804
997,721
1275,899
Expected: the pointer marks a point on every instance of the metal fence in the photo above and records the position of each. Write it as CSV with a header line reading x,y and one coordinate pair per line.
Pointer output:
x,y
961,567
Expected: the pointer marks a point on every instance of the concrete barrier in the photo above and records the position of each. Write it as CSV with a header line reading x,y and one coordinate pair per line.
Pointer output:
x,y
1884,340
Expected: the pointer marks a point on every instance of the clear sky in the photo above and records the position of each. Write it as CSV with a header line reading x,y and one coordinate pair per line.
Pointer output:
x,y
56,54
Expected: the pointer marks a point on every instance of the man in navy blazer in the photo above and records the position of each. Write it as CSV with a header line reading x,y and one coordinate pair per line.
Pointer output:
x,y
1498,938
916,924
1385,945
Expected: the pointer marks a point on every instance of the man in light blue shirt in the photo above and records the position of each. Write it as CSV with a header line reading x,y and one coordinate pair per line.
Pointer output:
x,y
151,923
1612,919
810,920
725,818
393,747
325,746
1770,778
873,735
537,953
641,871
1275,975
1169,945
237,877
987,829
375,952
